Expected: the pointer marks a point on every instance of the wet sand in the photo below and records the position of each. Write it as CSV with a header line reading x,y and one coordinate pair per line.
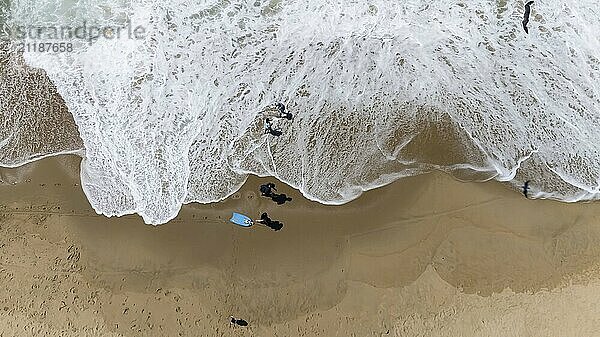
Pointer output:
x,y
425,256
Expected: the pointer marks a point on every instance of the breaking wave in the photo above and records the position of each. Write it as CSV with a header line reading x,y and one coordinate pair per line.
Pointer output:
x,y
379,90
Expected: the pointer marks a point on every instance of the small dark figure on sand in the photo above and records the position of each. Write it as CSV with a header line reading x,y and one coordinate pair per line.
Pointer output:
x,y
526,15
269,128
265,220
280,199
239,322
266,190
526,189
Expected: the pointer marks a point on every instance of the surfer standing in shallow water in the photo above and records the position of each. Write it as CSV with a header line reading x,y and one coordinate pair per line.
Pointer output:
x,y
270,130
278,111
526,189
282,112
526,16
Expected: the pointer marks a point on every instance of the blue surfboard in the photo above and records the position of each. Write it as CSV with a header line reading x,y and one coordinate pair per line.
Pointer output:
x,y
241,220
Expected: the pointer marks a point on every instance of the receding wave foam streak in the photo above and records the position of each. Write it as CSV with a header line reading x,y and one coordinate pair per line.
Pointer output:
x,y
174,118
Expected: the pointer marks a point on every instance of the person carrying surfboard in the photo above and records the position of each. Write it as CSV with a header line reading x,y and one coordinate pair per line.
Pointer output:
x,y
245,221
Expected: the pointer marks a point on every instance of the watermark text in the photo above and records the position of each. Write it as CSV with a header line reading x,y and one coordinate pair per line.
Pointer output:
x,y
88,33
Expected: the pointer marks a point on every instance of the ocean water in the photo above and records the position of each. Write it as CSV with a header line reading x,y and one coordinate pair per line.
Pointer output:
x,y
379,90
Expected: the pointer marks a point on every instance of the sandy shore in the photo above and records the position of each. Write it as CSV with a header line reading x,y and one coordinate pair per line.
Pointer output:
x,y
426,256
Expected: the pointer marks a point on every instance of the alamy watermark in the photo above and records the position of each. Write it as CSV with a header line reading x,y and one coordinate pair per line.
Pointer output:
x,y
34,38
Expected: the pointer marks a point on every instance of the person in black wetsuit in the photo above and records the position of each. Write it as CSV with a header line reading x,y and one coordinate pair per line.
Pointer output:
x,y
265,220
526,16
239,322
269,128
280,199
282,113
266,190
526,189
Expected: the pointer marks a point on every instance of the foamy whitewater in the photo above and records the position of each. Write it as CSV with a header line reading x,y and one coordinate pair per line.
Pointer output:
x,y
379,90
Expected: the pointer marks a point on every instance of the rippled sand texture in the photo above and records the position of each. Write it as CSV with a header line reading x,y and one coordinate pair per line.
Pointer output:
x,y
426,256
34,119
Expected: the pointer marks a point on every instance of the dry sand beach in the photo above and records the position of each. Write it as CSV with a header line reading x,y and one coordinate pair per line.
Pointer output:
x,y
425,256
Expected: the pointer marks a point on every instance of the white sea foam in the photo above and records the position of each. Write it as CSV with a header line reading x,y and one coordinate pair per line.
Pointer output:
x,y
174,118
